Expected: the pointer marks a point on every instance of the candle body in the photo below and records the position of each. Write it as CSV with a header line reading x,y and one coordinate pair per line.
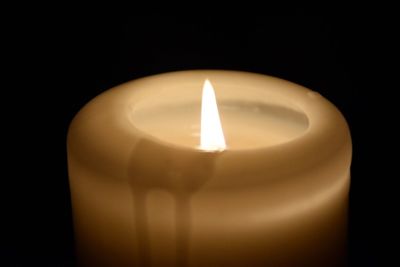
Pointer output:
x,y
143,195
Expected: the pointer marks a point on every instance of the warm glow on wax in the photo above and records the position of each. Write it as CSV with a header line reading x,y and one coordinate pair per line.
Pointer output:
x,y
211,133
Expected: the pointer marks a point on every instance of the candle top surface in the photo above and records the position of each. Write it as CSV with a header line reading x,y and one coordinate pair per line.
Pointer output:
x,y
252,115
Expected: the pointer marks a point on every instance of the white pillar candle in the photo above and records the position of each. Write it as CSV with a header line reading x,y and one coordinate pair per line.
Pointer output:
x,y
144,193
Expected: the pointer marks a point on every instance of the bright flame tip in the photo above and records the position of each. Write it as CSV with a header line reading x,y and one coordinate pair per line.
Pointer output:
x,y
211,133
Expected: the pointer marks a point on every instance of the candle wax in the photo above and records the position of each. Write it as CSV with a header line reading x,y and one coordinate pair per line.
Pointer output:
x,y
144,194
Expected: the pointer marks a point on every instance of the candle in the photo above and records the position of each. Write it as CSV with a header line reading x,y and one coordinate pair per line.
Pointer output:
x,y
153,183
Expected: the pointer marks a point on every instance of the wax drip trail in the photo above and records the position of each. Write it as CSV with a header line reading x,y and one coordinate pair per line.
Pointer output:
x,y
142,231
182,226
182,230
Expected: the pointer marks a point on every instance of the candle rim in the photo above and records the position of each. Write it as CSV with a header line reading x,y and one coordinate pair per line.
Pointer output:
x,y
321,137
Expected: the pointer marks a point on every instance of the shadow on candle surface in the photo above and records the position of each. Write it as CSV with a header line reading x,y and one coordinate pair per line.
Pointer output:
x,y
181,174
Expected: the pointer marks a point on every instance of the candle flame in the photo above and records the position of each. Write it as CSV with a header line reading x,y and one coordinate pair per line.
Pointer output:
x,y
211,133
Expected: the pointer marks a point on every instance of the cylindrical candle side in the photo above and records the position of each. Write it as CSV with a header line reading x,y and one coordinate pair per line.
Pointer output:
x,y
142,200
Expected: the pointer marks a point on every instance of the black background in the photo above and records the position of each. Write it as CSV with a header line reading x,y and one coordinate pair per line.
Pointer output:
x,y
62,62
